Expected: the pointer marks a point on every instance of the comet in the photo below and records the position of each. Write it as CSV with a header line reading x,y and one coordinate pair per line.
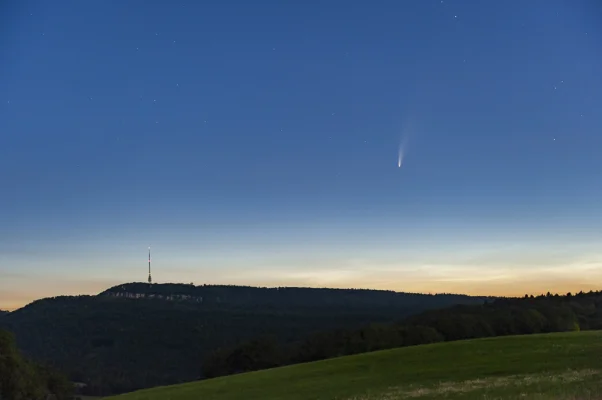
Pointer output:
x,y
403,149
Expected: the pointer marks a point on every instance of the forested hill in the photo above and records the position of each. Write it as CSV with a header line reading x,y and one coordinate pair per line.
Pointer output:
x,y
248,296
138,335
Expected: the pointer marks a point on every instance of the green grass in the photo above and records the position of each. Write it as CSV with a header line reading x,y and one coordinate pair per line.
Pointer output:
x,y
565,366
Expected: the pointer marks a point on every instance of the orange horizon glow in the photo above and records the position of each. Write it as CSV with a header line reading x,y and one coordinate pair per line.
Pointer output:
x,y
502,273
496,290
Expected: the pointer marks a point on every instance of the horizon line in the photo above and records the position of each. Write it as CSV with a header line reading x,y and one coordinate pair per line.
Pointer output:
x,y
300,287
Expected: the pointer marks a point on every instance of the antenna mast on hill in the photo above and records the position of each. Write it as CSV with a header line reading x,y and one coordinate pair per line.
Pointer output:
x,y
150,280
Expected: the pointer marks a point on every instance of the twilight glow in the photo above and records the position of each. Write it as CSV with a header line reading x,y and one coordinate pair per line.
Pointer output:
x,y
255,144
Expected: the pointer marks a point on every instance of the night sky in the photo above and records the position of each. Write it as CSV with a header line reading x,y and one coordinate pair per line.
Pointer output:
x,y
258,143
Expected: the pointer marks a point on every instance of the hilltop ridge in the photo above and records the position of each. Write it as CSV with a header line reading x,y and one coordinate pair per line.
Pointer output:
x,y
284,296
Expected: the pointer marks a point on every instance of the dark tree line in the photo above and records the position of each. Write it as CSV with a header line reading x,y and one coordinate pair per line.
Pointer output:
x,y
22,379
119,342
496,318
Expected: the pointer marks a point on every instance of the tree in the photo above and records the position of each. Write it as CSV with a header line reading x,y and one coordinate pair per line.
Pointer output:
x,y
17,377
22,379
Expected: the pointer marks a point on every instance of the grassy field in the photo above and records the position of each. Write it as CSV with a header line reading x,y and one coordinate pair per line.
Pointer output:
x,y
564,366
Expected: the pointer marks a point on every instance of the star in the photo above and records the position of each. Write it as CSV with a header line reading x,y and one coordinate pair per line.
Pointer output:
x,y
455,16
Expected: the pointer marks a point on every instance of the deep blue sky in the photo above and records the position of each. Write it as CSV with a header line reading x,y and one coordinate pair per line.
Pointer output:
x,y
256,142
